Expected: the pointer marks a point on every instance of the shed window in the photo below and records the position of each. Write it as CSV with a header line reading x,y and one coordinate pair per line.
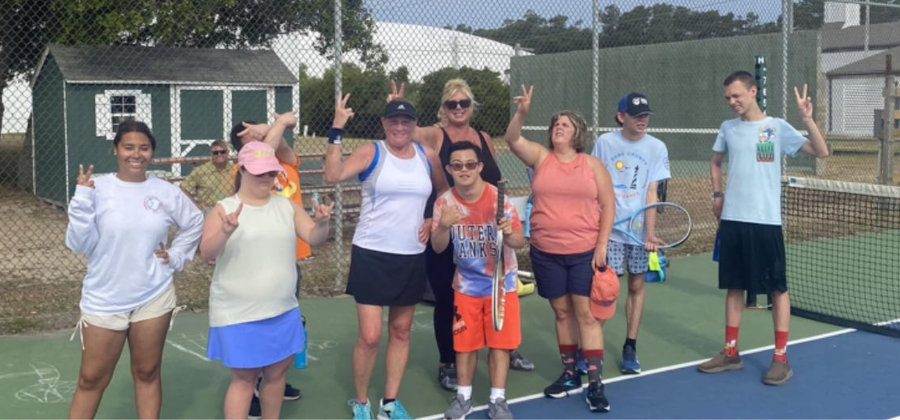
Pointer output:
x,y
123,108
113,107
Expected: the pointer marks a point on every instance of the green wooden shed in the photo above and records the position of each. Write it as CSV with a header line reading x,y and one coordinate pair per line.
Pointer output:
x,y
188,96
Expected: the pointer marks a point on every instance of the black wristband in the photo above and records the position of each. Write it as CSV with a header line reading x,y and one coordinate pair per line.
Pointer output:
x,y
718,194
335,135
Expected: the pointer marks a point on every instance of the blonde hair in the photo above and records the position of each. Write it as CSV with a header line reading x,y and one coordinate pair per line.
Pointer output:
x,y
452,87
579,136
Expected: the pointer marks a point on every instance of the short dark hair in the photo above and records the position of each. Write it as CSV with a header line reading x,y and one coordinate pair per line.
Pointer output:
x,y
744,76
465,145
131,126
236,142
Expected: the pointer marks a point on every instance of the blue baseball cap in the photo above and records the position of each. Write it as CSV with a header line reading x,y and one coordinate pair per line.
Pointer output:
x,y
634,104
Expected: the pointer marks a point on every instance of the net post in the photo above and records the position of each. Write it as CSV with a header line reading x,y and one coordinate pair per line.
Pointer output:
x,y
886,173
338,189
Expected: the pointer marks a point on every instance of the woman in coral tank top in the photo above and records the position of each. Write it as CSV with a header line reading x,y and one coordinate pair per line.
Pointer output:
x,y
572,217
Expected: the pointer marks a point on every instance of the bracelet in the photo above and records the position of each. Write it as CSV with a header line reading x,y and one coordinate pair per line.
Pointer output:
x,y
718,194
335,135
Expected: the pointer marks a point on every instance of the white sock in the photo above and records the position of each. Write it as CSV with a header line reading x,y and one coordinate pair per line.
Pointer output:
x,y
497,393
465,391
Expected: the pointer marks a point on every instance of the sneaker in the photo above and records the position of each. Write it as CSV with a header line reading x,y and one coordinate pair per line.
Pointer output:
x,y
630,363
447,376
779,373
290,393
393,410
595,398
499,409
459,408
721,363
360,411
255,409
519,362
563,386
580,363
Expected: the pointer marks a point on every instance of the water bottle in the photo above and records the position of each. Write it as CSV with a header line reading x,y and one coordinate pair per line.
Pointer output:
x,y
300,358
527,221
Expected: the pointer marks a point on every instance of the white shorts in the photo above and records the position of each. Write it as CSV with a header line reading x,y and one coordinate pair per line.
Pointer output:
x,y
159,306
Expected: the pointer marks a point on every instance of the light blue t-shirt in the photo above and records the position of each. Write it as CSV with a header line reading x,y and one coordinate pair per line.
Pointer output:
x,y
755,148
632,165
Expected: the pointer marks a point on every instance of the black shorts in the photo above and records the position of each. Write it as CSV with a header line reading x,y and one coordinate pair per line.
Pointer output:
x,y
559,275
384,279
751,257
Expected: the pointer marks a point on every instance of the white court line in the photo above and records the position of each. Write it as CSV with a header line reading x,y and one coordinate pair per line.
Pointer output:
x,y
14,375
662,370
187,350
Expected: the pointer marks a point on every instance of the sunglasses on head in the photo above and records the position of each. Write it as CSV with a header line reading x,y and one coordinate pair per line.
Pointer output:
x,y
465,103
457,166
219,152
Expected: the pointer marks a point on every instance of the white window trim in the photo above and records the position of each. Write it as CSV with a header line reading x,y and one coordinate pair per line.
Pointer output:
x,y
103,116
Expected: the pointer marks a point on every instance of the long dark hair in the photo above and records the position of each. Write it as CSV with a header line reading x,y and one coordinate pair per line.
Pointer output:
x,y
237,180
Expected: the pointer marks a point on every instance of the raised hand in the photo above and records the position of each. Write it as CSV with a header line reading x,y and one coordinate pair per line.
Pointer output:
x,y
256,131
162,254
84,178
288,119
804,103
524,101
230,221
323,212
450,215
395,94
342,114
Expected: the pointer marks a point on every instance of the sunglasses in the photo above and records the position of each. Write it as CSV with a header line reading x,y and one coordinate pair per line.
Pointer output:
x,y
456,166
465,103
219,152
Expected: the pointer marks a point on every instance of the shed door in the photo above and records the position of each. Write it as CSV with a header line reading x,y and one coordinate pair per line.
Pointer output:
x,y
248,105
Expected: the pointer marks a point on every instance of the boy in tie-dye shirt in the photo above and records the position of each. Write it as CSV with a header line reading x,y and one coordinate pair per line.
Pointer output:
x,y
465,217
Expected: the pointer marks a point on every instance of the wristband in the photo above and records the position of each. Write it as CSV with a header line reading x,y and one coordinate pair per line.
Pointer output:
x,y
335,135
718,194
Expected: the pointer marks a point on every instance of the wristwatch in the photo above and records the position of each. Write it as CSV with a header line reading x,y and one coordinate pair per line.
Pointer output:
x,y
718,194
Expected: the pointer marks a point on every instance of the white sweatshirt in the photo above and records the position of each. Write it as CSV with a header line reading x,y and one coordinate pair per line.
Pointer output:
x,y
119,225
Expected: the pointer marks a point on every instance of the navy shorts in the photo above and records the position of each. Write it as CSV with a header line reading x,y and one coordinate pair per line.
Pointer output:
x,y
751,257
558,275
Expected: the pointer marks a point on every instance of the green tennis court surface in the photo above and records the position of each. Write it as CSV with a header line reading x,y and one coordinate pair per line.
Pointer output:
x,y
683,321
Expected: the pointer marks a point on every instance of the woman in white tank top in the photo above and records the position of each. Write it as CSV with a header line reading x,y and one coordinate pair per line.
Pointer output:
x,y
387,265
253,312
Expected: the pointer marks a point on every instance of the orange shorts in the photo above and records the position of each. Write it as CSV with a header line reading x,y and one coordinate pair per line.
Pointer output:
x,y
473,326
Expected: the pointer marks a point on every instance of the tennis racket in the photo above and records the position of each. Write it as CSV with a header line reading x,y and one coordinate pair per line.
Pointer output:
x,y
498,286
672,224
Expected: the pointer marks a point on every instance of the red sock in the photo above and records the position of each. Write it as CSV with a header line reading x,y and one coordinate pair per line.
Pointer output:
x,y
731,338
781,339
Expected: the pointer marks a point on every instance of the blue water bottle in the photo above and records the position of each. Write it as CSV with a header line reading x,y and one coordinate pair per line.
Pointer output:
x,y
300,358
527,221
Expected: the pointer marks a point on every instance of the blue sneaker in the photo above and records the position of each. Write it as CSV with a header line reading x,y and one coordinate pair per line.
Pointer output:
x,y
580,363
393,410
360,411
630,363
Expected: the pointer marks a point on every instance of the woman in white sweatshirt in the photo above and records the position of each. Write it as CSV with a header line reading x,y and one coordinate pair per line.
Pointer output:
x,y
254,317
121,222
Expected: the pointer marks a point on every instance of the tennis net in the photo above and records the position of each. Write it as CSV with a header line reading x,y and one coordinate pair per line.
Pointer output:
x,y
843,252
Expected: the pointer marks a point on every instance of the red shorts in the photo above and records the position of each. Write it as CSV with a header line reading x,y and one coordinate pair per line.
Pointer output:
x,y
473,326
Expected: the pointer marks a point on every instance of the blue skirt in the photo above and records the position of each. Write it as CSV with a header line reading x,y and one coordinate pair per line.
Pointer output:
x,y
259,343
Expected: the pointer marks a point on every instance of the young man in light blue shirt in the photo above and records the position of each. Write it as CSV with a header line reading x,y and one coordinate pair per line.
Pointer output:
x,y
751,249
637,162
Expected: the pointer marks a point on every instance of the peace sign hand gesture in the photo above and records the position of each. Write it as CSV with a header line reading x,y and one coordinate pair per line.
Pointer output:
x,y
395,94
84,178
524,101
230,221
323,212
804,103
342,114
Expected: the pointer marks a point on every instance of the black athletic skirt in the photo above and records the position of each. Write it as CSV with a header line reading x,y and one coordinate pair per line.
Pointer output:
x,y
384,279
751,257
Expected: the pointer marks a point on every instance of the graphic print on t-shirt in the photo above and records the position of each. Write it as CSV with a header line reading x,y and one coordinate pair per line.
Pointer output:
x,y
765,145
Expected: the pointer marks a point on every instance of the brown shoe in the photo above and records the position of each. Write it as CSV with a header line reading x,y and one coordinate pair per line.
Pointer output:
x,y
721,363
779,373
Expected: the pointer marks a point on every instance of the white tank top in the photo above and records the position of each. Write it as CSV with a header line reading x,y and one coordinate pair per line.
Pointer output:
x,y
394,193
255,275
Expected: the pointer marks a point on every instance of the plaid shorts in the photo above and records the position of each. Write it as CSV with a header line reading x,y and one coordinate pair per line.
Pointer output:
x,y
637,257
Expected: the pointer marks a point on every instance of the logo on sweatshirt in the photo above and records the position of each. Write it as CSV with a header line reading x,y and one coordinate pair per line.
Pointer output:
x,y
153,203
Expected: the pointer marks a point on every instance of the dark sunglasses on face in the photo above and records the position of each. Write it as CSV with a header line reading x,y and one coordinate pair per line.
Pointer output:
x,y
219,152
465,103
456,166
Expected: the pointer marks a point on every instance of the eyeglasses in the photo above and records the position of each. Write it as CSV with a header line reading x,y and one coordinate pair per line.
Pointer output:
x,y
456,166
219,152
465,103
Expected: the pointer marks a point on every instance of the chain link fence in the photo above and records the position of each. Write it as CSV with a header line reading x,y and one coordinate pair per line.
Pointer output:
x,y
70,73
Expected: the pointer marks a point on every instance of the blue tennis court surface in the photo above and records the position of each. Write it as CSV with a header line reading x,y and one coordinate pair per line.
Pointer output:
x,y
848,374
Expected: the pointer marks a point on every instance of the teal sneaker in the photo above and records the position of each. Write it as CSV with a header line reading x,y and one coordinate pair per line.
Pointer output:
x,y
393,411
360,411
